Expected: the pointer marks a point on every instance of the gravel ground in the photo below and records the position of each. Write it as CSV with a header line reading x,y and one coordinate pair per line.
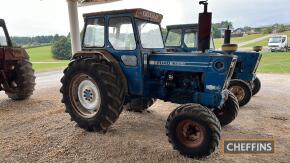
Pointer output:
x,y
38,130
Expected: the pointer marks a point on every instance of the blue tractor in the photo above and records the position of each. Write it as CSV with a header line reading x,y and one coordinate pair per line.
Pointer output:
x,y
244,83
124,58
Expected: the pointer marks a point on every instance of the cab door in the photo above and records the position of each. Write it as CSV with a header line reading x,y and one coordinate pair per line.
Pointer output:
x,y
122,44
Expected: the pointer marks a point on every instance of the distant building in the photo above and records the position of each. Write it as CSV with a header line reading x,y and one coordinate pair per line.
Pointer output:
x,y
239,32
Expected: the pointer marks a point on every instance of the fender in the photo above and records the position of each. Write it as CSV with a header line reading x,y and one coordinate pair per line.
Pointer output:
x,y
15,54
103,54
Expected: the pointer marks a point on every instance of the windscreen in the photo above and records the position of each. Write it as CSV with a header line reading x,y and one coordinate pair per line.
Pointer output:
x,y
190,38
275,40
174,37
150,35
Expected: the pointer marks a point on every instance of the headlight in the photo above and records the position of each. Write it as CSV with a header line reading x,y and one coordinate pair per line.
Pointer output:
x,y
219,66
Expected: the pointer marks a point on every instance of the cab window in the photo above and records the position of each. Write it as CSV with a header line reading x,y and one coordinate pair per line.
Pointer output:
x,y
94,33
174,37
190,38
3,41
150,35
121,33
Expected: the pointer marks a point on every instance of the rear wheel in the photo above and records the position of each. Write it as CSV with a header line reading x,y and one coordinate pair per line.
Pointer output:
x,y
23,86
241,90
229,111
139,104
256,86
93,94
193,130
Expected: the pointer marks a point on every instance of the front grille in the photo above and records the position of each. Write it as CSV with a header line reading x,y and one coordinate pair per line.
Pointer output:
x,y
230,73
258,63
273,46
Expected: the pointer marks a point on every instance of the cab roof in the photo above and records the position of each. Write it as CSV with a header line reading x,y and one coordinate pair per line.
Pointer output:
x,y
137,12
183,26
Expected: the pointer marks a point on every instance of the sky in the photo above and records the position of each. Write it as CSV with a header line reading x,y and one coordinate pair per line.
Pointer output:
x,y
49,17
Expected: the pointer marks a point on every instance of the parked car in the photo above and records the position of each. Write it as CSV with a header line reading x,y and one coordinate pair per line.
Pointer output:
x,y
278,43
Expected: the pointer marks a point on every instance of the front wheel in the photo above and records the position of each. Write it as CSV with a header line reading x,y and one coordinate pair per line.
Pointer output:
x,y
241,90
256,86
93,94
193,130
229,111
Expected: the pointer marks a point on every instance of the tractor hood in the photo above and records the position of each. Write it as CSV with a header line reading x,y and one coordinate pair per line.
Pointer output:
x,y
190,62
215,69
247,64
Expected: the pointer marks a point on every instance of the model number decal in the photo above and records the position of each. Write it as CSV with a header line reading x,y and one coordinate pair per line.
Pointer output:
x,y
177,63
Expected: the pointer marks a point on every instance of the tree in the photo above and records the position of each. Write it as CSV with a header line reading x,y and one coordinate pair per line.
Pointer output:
x,y
217,26
281,28
61,49
55,38
267,30
19,41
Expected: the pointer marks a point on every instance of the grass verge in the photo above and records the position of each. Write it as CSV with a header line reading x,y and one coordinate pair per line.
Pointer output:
x,y
277,62
44,54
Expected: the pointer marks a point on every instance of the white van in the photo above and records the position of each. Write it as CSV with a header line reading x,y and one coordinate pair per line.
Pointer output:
x,y
278,43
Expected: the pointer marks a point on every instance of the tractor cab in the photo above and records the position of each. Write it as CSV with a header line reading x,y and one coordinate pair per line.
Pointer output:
x,y
126,31
183,38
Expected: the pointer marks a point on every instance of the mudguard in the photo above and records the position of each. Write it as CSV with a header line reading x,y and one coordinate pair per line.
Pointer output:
x,y
103,54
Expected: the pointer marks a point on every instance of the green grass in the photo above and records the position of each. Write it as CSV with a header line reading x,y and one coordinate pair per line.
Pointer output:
x,y
41,54
263,43
219,41
44,54
51,66
275,63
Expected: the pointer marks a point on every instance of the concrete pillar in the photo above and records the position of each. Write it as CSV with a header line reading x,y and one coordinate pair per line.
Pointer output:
x,y
74,25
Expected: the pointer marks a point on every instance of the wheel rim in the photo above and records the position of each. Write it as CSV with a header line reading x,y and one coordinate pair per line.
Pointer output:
x,y
190,134
85,95
239,92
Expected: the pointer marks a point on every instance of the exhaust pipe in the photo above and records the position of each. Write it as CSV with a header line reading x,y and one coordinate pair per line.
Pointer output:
x,y
227,37
204,28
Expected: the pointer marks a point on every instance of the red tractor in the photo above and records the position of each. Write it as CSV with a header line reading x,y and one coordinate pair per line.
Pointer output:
x,y
16,74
